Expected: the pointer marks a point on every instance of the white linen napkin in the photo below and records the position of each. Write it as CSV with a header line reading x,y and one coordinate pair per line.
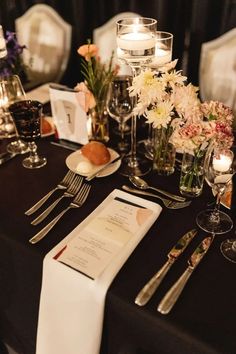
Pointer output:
x,y
72,304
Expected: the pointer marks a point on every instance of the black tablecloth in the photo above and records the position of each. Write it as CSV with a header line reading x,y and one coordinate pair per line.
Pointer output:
x,y
202,321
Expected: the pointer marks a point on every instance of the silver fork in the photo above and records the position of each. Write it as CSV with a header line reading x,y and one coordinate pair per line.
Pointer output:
x,y
63,184
77,202
170,204
69,193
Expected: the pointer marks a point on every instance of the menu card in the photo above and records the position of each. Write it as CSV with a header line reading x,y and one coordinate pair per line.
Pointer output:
x,y
105,233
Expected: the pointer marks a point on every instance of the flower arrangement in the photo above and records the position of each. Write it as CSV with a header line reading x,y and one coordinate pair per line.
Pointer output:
x,y
212,120
13,63
97,76
180,119
168,102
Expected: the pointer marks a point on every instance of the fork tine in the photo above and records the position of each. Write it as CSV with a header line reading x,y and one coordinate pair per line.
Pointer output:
x,y
68,177
82,195
86,194
75,184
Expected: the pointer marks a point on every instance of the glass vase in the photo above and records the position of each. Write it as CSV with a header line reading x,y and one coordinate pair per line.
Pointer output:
x,y
99,122
192,174
163,152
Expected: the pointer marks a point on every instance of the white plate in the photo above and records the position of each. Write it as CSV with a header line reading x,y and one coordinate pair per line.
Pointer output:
x,y
74,159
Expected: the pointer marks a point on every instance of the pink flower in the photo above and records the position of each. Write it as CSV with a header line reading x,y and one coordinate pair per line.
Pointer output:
x,y
85,97
88,51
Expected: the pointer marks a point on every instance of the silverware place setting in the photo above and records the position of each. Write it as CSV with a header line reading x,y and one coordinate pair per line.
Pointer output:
x,y
69,193
62,185
142,184
151,286
170,204
172,295
77,202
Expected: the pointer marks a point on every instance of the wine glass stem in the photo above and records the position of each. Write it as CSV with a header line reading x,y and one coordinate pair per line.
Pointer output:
x,y
215,217
122,134
133,137
135,71
33,150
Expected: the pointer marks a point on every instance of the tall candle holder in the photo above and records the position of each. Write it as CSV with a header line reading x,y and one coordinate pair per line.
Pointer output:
x,y
136,39
163,55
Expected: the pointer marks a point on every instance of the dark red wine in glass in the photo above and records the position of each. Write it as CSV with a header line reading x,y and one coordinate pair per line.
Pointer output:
x,y
27,118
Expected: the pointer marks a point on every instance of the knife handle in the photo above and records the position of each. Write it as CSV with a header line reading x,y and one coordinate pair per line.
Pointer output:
x,y
151,286
173,294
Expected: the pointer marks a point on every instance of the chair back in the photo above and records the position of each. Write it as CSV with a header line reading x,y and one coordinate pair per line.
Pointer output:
x,y
105,36
217,70
48,40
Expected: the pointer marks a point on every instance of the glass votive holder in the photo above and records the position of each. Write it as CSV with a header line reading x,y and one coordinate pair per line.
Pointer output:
x,y
192,174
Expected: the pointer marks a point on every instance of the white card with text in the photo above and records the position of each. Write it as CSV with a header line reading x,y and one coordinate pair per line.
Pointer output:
x,y
69,117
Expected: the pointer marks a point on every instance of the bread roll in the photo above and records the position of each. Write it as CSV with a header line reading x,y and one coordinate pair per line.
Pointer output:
x,y
96,152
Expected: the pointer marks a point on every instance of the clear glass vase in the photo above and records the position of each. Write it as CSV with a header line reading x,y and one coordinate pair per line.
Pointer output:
x,y
163,152
99,122
192,173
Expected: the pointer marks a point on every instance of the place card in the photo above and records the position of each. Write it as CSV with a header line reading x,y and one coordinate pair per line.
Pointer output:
x,y
68,115
106,233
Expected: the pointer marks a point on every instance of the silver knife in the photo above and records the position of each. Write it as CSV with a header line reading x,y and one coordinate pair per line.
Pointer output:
x,y
148,290
90,177
173,294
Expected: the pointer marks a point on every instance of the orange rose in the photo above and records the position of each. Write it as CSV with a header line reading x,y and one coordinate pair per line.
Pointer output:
x,y
88,51
89,101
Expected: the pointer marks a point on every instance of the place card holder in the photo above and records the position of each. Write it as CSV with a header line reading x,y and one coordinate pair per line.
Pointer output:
x,y
119,220
69,117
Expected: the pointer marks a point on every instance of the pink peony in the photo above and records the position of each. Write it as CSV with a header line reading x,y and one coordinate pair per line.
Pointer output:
x,y
89,101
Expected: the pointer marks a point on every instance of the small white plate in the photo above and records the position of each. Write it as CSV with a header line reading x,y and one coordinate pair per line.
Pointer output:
x,y
74,159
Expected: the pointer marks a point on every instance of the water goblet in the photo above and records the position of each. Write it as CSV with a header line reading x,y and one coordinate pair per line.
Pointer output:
x,y
218,169
11,90
27,118
136,46
120,106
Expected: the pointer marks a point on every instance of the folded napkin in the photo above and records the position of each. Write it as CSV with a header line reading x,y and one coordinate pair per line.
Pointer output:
x,y
72,303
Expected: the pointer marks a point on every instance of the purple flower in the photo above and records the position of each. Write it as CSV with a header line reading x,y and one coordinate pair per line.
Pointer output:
x,y
13,63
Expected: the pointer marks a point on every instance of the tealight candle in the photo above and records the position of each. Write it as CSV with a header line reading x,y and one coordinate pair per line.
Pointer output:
x,y
162,56
222,164
136,41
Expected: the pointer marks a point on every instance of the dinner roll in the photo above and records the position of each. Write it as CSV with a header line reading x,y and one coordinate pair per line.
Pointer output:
x,y
96,152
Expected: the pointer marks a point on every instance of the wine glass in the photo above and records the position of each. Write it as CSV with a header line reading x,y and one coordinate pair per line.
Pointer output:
x,y
218,169
120,106
27,118
11,90
136,46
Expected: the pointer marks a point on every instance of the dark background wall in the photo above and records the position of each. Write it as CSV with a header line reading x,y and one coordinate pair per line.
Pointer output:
x,y
191,21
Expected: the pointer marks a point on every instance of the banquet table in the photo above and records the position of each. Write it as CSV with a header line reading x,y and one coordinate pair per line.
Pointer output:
x,y
202,321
